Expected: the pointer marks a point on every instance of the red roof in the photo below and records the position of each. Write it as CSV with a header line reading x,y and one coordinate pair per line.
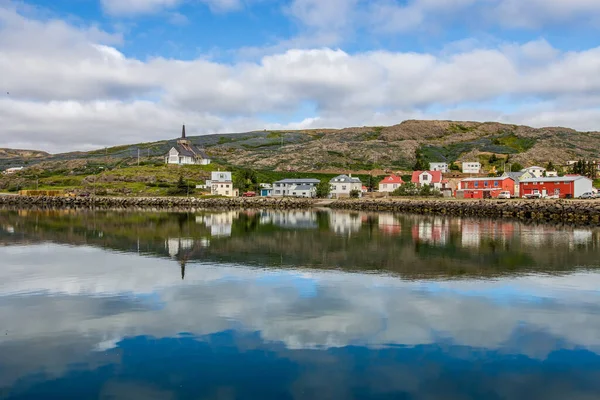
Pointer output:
x,y
436,176
392,179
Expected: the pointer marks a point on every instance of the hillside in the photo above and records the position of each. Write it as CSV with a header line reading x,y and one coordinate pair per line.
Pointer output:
x,y
361,150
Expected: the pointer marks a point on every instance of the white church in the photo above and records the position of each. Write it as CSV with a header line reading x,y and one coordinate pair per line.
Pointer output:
x,y
184,153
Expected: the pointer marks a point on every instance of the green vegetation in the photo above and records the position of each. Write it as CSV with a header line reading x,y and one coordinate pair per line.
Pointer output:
x,y
458,128
375,134
410,189
354,194
323,189
181,189
516,167
519,144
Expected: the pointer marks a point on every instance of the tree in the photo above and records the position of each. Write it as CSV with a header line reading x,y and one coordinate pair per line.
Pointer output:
x,y
245,180
408,189
550,166
516,167
454,167
323,189
421,163
493,159
181,188
354,193
373,183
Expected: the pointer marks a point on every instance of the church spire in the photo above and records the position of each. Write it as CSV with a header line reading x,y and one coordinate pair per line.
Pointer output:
x,y
183,132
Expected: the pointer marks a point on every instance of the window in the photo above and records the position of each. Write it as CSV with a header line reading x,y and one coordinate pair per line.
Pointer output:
x,y
343,187
496,183
476,184
227,193
485,183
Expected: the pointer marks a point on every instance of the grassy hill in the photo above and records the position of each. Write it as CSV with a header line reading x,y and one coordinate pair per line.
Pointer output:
x,y
275,154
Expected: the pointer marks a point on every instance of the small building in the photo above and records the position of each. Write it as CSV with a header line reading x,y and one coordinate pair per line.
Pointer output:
x,y
10,171
572,186
184,153
471,167
439,166
551,174
295,187
342,185
431,178
535,171
221,184
390,183
266,189
486,187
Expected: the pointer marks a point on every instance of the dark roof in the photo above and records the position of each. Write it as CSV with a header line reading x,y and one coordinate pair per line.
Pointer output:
x,y
303,187
190,151
298,181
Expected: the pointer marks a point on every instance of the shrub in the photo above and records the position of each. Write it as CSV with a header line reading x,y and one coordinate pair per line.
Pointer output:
x,y
408,189
323,190
355,194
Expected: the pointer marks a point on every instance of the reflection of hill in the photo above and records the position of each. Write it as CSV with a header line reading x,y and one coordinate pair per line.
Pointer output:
x,y
409,245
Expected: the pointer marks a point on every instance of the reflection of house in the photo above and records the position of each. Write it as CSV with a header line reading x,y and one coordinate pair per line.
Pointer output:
x,y
481,188
342,185
431,231
295,187
177,245
431,178
184,153
390,183
344,223
389,224
219,223
290,219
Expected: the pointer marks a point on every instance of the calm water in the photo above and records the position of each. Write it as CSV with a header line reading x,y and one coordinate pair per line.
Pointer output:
x,y
299,305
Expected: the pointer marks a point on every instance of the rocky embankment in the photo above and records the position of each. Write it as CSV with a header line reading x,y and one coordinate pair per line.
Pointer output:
x,y
159,203
567,211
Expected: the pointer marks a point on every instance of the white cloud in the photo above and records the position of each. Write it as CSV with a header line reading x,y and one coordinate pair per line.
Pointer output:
x,y
136,7
70,88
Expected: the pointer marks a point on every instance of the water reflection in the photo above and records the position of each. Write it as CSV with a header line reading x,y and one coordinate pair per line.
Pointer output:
x,y
287,305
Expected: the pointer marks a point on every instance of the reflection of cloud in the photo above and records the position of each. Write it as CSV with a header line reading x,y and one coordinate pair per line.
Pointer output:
x,y
118,295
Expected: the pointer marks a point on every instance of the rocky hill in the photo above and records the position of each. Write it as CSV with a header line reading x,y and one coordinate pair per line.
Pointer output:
x,y
360,148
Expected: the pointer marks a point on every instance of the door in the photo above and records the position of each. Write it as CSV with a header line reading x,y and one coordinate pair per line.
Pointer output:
x,y
544,193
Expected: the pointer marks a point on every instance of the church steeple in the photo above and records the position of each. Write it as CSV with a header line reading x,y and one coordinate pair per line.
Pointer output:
x,y
183,132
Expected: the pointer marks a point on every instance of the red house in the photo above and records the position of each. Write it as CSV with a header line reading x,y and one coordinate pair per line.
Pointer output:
x,y
390,183
486,188
570,186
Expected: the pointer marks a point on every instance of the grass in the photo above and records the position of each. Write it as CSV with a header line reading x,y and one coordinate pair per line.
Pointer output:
x,y
597,183
520,144
458,128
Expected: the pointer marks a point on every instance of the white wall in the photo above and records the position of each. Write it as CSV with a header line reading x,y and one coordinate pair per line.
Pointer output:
x,y
582,186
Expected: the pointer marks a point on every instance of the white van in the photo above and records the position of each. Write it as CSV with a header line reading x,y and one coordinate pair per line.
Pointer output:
x,y
504,195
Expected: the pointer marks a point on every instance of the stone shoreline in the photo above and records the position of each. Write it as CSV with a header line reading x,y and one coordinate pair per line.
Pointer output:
x,y
567,211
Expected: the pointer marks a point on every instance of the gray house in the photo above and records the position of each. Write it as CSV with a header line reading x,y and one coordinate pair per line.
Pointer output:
x,y
342,185
295,187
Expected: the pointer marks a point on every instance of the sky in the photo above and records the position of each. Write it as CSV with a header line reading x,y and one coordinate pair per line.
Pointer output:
x,y
85,74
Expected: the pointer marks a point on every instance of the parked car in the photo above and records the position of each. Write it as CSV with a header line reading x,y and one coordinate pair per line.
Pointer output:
x,y
532,196
249,194
587,195
553,197
504,195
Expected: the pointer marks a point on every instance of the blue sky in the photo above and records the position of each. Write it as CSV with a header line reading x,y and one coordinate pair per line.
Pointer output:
x,y
82,74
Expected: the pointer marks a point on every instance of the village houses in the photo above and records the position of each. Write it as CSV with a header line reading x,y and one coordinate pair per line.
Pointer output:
x,y
343,185
431,178
487,187
471,167
390,183
439,166
295,187
220,184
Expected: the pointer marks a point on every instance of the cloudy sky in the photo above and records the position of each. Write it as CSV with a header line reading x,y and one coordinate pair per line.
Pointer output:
x,y
82,74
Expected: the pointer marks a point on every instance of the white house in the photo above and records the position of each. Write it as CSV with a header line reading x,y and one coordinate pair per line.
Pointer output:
x,y
220,184
184,153
10,171
295,187
439,166
535,171
471,167
342,185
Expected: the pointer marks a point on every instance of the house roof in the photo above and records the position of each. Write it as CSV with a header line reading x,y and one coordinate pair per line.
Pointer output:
x,y
487,178
190,151
345,179
436,176
298,181
534,167
556,179
392,179
303,187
